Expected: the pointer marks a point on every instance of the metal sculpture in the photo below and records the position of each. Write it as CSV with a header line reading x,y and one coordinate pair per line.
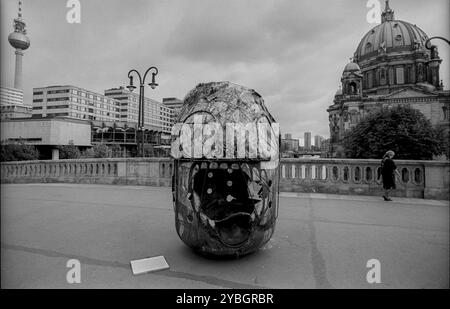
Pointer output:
x,y
225,146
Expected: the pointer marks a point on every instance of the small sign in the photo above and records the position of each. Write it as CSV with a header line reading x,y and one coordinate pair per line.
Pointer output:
x,y
148,265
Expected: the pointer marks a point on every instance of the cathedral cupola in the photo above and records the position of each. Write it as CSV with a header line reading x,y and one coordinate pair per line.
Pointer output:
x,y
352,80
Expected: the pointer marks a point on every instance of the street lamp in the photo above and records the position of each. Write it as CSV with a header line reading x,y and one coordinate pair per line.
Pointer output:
x,y
141,118
427,43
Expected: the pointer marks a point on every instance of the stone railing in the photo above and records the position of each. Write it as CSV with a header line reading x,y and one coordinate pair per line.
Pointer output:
x,y
422,179
136,171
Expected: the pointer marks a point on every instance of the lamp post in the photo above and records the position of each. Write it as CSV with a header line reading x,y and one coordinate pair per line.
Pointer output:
x,y
427,43
141,114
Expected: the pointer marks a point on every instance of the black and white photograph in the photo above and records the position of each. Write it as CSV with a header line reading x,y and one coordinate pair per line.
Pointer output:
x,y
225,150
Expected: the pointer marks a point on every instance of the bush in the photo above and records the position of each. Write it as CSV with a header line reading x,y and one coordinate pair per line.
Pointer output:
x,y
69,151
97,151
18,152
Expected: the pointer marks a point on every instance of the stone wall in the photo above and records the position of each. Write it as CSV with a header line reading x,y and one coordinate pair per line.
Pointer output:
x,y
420,179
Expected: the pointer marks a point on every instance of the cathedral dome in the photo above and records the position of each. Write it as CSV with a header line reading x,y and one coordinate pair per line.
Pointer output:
x,y
391,35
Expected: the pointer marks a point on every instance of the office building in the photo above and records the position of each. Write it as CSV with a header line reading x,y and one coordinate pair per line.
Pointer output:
x,y
318,141
307,140
289,144
156,114
74,102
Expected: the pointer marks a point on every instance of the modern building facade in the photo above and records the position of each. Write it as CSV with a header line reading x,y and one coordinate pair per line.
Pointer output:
x,y
47,133
15,111
391,66
307,140
113,116
11,104
318,141
74,102
156,114
173,103
289,144
11,96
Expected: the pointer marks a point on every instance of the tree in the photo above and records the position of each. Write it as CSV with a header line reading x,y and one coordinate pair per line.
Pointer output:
x,y
402,129
101,151
69,151
18,151
97,151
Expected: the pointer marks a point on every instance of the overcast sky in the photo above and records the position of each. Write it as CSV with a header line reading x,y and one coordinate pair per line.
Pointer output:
x,y
292,52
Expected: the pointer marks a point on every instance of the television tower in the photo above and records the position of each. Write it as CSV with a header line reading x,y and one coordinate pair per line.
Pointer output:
x,y
20,42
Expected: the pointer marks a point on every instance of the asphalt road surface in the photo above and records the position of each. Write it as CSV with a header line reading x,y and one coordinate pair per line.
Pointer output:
x,y
321,241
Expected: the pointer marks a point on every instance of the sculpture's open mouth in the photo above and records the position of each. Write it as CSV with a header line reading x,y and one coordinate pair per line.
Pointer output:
x,y
235,230
225,202
232,222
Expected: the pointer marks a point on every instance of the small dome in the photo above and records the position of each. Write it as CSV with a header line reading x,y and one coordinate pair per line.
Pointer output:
x,y
352,67
19,40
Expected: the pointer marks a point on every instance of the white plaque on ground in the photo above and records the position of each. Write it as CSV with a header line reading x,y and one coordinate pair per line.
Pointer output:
x,y
148,265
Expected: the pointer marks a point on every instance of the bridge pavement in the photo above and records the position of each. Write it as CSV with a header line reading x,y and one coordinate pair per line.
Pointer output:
x,y
321,241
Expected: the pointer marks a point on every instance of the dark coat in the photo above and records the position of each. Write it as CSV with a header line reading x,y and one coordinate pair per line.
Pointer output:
x,y
388,168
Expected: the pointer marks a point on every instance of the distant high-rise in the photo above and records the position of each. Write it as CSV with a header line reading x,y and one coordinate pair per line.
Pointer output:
x,y
318,141
289,144
20,42
307,140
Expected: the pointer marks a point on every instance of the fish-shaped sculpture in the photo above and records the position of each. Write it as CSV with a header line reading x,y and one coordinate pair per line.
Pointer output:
x,y
225,146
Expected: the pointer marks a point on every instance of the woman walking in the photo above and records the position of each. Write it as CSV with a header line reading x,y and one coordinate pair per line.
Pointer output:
x,y
388,172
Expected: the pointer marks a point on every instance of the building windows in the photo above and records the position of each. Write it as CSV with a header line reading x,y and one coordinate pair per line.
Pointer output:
x,y
58,99
38,92
370,79
382,76
58,91
57,114
400,74
391,76
37,107
57,106
37,100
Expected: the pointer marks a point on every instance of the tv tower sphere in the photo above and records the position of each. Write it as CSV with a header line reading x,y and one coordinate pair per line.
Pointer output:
x,y
19,40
